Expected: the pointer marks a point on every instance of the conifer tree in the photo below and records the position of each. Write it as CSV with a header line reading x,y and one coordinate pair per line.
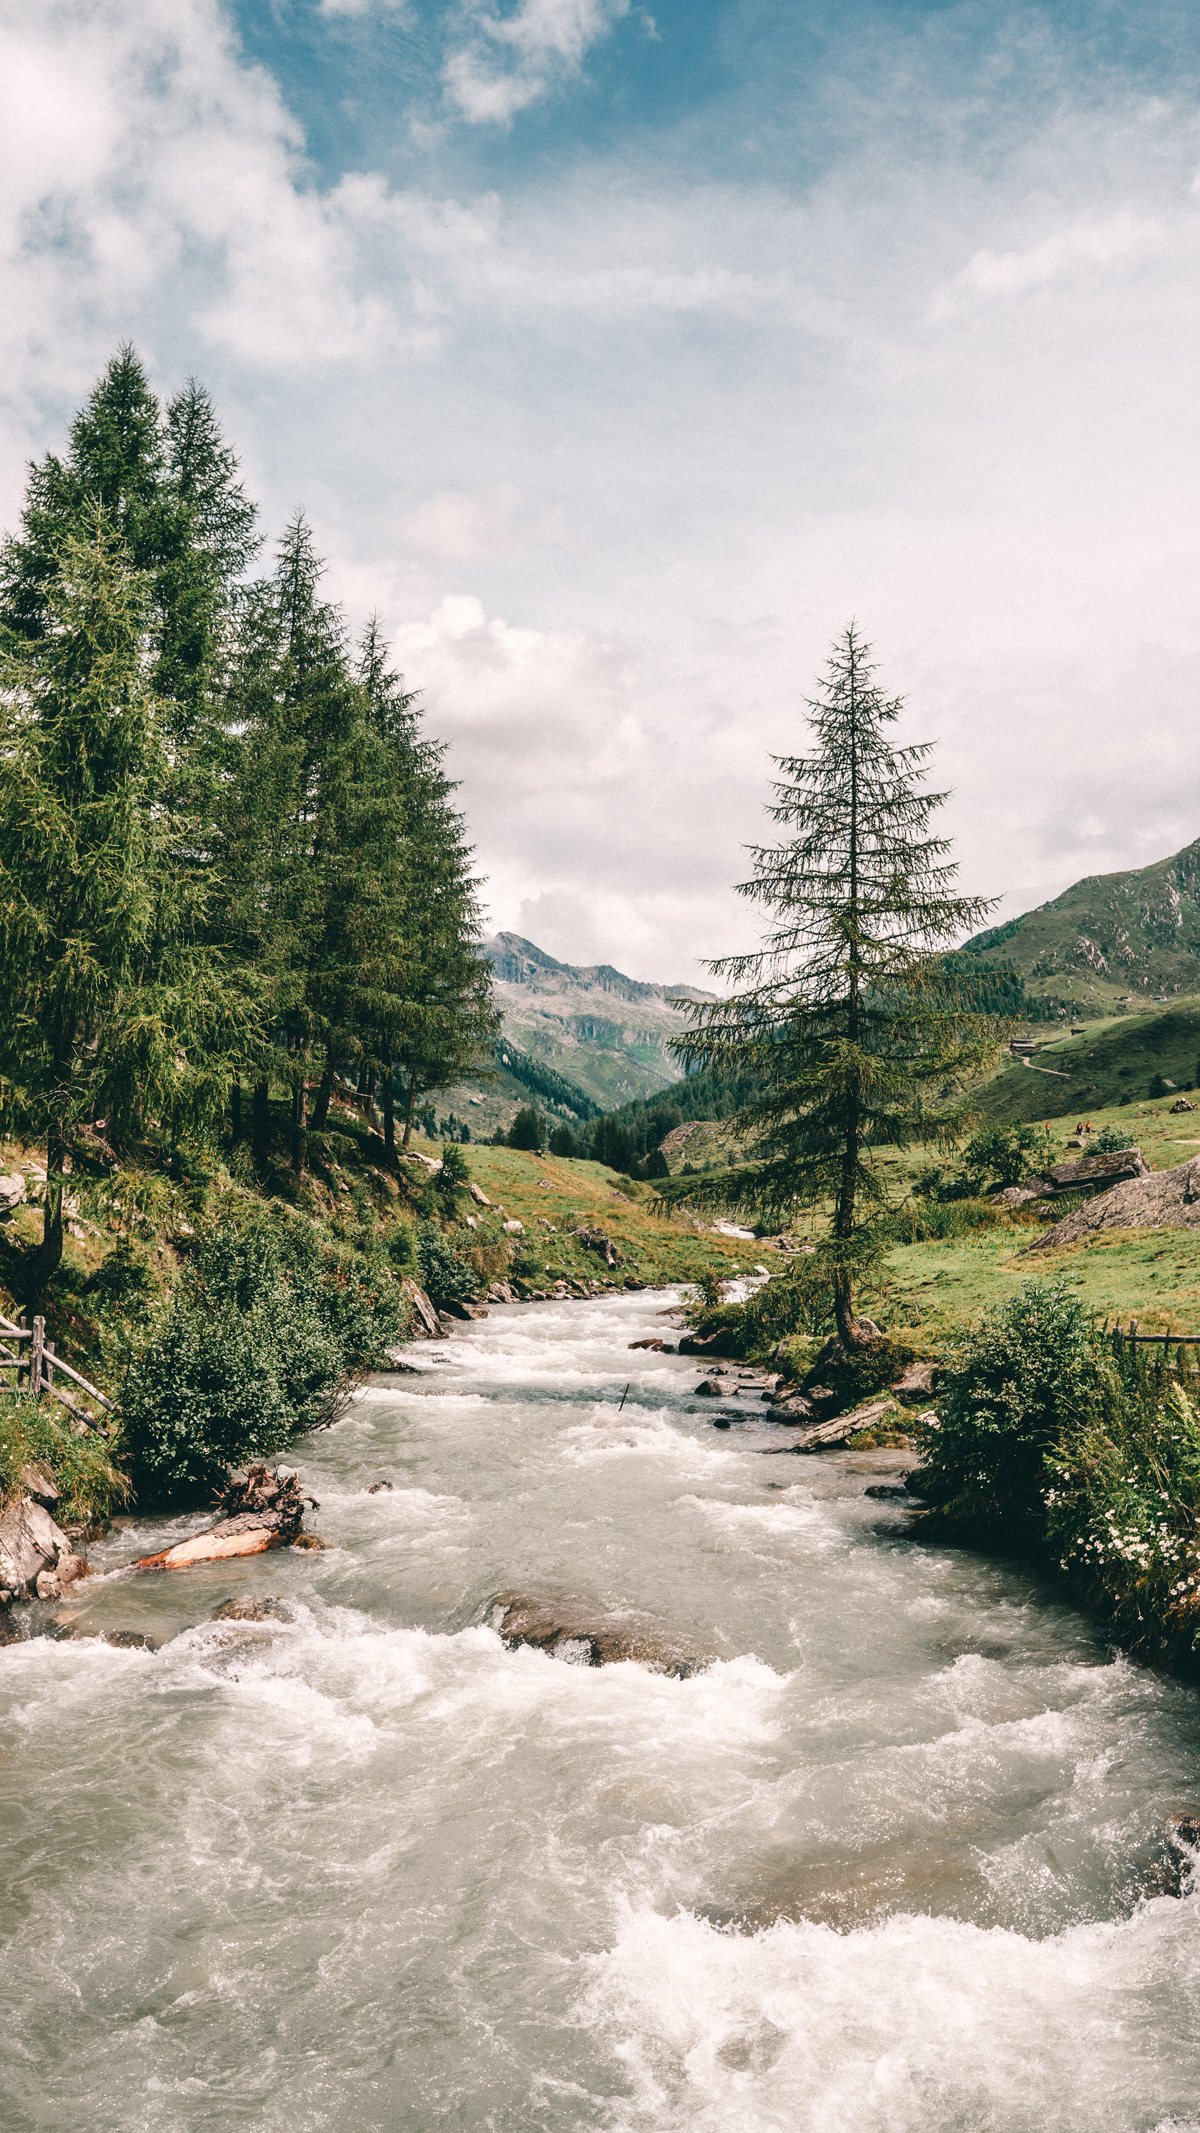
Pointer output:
x,y
846,1010
169,490
109,1008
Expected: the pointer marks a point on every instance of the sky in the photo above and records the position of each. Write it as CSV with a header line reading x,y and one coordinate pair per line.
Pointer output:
x,y
621,356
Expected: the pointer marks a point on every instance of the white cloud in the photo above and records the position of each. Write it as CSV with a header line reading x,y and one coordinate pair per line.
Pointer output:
x,y
506,62
1082,249
675,433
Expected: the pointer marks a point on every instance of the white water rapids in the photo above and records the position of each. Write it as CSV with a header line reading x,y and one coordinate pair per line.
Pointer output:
x,y
880,1866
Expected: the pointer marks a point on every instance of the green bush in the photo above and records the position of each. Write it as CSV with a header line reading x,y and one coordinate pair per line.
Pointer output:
x,y
265,1335
998,1155
1111,1139
1158,1086
445,1277
1122,1497
1032,1368
454,1175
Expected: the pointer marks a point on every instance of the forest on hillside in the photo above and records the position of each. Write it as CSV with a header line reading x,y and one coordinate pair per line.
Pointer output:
x,y
233,879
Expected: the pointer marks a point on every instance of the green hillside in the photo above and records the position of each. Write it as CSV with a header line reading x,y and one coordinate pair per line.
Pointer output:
x,y
1113,1061
1111,940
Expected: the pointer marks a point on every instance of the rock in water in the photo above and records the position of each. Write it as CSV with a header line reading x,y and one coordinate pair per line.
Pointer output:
x,y
265,1508
245,1608
568,1630
36,1557
426,1316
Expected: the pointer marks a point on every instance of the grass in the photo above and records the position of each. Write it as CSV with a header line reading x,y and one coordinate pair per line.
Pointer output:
x,y
1116,1055
89,1485
552,1196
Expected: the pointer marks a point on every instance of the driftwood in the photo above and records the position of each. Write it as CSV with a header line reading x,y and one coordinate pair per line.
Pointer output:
x,y
264,1509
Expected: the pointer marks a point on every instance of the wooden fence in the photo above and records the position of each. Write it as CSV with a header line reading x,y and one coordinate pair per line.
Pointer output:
x,y
30,1357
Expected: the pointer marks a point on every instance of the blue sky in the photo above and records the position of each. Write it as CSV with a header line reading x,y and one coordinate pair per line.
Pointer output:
x,y
621,354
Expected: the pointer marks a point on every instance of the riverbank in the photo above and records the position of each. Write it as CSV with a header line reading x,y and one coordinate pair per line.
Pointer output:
x,y
882,1865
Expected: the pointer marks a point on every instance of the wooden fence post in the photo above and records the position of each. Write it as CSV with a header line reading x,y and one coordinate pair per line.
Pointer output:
x,y
35,1357
1133,1326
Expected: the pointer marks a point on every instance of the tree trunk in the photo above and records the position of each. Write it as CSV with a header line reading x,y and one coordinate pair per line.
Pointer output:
x,y
261,1123
850,1329
389,1114
324,1092
235,1108
300,1126
408,1115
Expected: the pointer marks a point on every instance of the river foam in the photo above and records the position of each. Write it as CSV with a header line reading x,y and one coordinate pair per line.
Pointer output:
x,y
888,1860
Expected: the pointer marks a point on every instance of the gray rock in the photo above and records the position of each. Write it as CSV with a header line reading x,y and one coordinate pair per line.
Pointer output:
x,y
245,1608
1160,1199
569,1630
12,1191
427,1318
36,1557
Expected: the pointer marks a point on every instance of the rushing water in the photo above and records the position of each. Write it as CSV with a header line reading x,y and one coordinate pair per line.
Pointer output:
x,y
881,1864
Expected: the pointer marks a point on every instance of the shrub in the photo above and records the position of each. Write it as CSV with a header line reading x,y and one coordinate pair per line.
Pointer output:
x,y
265,1335
444,1275
1122,1497
454,1175
999,1154
1111,1139
89,1485
1033,1366
1158,1086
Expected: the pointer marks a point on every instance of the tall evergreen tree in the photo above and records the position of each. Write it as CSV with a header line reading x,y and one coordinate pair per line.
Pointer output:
x,y
109,1009
847,1010
440,1019
168,487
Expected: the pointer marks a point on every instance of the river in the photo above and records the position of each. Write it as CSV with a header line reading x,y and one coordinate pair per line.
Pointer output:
x,y
880,1864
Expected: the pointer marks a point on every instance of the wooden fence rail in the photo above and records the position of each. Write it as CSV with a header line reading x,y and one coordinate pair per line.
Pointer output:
x,y
38,1371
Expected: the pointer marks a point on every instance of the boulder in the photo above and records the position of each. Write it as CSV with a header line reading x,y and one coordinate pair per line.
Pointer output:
x,y
709,1389
596,1240
244,1607
37,1483
12,1191
478,1195
422,1309
918,1378
1091,1173
703,1344
264,1510
36,1558
1159,1199
513,1228
569,1630
1181,1104
659,1346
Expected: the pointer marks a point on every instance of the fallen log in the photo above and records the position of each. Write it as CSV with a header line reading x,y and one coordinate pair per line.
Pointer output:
x,y
265,1510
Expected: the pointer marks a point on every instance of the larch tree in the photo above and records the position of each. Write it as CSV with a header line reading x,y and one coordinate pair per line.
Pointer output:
x,y
847,1010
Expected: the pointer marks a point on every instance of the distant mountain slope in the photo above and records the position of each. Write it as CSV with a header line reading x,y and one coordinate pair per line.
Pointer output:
x,y
601,1030
1113,938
